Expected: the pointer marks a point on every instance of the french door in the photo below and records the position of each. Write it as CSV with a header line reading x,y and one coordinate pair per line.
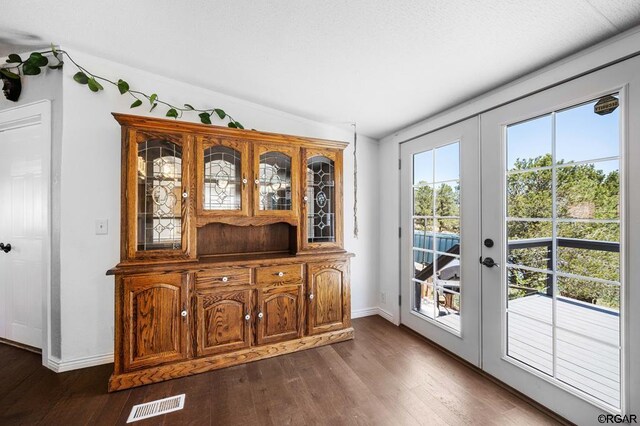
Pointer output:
x,y
440,177
560,202
523,257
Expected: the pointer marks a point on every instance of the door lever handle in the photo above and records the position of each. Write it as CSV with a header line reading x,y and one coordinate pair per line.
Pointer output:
x,y
489,262
5,248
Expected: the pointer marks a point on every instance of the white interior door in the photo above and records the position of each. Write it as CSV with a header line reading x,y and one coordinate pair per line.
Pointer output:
x,y
561,202
23,224
440,234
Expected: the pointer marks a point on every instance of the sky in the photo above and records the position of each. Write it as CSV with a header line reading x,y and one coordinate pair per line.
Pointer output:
x,y
581,135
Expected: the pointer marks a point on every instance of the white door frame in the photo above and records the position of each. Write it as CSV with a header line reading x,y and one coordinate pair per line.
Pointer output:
x,y
466,343
28,115
623,78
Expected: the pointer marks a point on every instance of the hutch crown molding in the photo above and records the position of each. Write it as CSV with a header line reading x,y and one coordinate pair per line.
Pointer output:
x,y
231,249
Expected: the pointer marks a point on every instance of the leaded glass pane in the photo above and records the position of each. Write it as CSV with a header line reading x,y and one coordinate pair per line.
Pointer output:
x,y
275,181
320,200
222,179
159,195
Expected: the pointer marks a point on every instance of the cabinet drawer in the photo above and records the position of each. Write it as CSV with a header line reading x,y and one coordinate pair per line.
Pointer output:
x,y
223,277
279,274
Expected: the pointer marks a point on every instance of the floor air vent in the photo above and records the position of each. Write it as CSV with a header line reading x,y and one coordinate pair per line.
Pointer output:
x,y
156,408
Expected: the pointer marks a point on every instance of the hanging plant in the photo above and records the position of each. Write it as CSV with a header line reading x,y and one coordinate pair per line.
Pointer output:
x,y
33,65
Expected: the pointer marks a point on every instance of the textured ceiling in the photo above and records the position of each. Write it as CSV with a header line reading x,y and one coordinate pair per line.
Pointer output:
x,y
384,64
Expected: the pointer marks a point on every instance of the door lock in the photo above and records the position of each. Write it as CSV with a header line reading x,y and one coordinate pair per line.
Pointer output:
x,y
5,248
489,262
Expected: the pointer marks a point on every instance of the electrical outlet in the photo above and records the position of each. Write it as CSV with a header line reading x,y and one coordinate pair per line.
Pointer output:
x,y
383,297
102,227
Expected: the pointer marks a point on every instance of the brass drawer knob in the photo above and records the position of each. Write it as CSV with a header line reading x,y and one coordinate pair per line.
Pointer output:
x,y
260,315
225,279
184,313
247,317
311,296
281,274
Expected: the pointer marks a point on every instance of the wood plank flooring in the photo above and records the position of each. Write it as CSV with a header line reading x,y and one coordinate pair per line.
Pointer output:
x,y
386,376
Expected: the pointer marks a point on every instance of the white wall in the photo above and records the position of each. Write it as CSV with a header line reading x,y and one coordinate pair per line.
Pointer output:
x,y
604,53
91,190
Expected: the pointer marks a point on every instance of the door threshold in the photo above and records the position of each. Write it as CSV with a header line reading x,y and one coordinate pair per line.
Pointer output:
x,y
21,346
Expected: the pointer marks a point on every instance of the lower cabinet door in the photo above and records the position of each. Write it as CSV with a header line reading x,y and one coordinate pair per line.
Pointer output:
x,y
155,321
223,321
329,298
280,313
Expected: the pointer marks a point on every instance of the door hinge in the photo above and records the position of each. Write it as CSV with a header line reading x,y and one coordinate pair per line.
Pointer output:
x,y
399,232
399,163
399,300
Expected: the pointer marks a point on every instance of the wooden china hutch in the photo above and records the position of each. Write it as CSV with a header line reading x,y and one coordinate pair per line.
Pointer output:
x,y
231,249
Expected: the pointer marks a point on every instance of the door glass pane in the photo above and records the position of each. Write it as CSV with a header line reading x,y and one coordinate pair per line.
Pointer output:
x,y
320,200
275,181
159,195
436,235
563,248
222,178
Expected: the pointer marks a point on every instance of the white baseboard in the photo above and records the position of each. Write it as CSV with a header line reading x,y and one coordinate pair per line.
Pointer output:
x,y
60,366
366,312
386,315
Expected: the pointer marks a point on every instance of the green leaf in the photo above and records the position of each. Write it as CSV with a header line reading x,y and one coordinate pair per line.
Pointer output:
x,y
94,86
232,125
153,98
9,74
239,126
153,107
13,58
123,86
187,106
220,113
81,77
205,118
173,113
30,69
136,103
37,59
57,66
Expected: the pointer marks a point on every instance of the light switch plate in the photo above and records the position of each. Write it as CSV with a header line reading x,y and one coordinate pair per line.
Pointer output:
x,y
102,227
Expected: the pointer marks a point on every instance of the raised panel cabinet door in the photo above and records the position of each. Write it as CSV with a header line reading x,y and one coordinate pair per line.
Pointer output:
x,y
223,177
280,313
322,225
158,195
276,181
223,321
329,298
155,320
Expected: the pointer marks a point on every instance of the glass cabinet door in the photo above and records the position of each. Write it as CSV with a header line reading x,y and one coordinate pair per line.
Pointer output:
x,y
322,198
275,182
161,193
222,177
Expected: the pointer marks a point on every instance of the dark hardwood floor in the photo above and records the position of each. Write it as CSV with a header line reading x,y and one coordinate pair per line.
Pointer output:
x,y
386,376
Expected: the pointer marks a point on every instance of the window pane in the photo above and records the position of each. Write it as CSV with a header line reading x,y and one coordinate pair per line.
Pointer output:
x,y
423,167
275,181
222,178
531,342
529,244
448,162
423,201
529,194
581,134
530,294
448,199
589,191
529,143
159,195
320,200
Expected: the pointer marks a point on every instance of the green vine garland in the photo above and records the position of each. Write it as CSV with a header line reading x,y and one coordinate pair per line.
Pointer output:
x,y
36,61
